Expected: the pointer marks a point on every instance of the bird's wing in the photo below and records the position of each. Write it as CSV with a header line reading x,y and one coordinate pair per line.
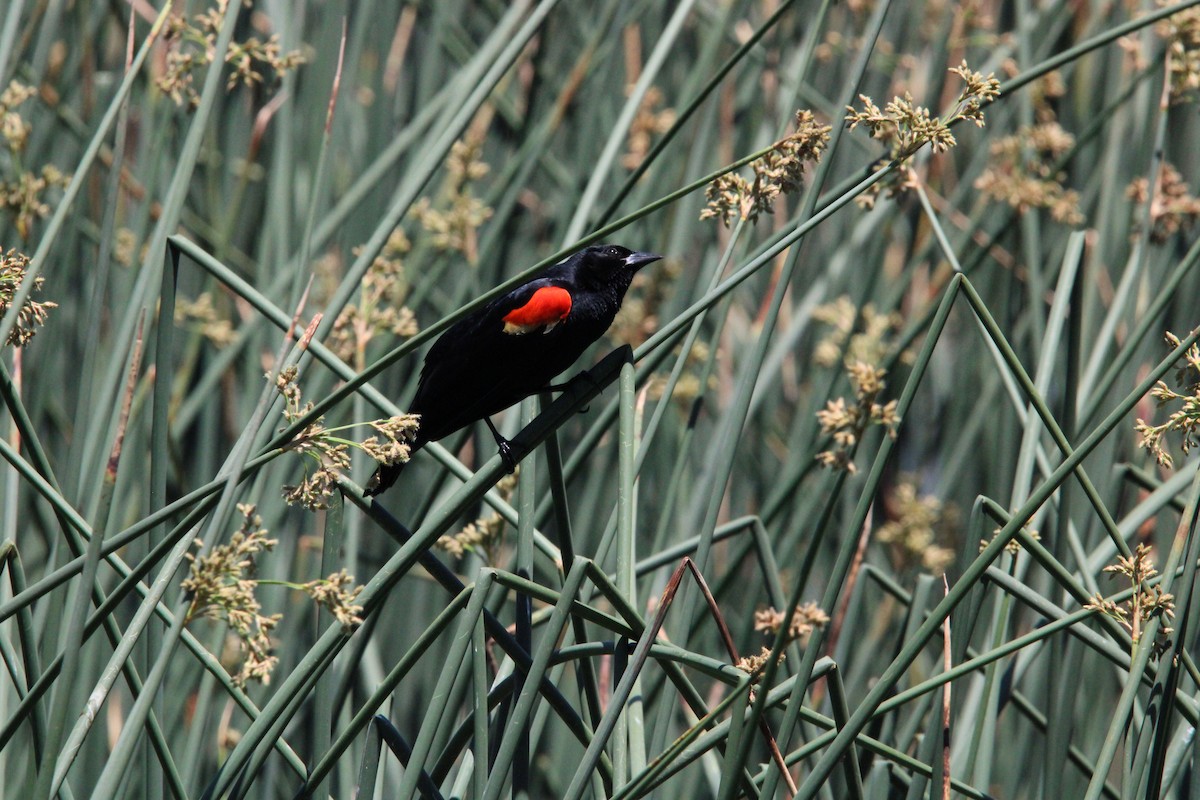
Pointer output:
x,y
477,354
539,304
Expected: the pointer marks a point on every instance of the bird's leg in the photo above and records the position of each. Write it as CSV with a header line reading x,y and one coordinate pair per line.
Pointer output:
x,y
506,451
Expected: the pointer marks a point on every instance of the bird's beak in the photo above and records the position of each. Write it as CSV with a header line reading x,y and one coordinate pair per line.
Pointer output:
x,y
636,261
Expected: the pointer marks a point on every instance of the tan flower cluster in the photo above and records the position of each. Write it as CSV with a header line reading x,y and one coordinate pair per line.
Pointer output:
x,y
331,453
454,221
840,315
915,527
906,127
24,196
754,665
456,226
1014,545
22,191
1186,418
201,316
396,445
125,247
1044,91
192,46
808,617
1173,208
869,345
1146,603
780,171
977,92
482,536
336,596
846,423
902,124
1023,174
33,314
222,586
647,123
13,126
380,307
974,26
1182,34
465,164
688,387
838,44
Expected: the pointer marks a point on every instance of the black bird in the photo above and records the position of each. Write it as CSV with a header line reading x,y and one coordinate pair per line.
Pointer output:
x,y
515,345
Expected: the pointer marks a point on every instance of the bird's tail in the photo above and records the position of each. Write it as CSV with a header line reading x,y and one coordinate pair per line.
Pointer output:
x,y
385,475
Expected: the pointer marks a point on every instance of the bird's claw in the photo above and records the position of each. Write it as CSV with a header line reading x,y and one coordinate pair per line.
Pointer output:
x,y
507,455
587,376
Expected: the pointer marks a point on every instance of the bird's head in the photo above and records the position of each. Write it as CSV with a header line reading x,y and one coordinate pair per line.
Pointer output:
x,y
604,264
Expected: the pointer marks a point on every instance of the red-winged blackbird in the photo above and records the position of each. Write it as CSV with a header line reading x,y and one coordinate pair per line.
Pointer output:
x,y
512,347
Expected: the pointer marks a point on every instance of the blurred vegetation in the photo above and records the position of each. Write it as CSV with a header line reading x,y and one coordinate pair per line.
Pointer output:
x,y
891,493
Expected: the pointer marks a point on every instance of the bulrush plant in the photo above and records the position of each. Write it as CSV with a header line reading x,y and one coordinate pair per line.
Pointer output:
x,y
886,346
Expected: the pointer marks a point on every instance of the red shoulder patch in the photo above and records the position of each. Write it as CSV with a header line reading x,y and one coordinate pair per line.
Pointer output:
x,y
547,306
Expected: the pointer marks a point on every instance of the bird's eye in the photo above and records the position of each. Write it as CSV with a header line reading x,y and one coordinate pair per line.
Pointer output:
x,y
615,252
